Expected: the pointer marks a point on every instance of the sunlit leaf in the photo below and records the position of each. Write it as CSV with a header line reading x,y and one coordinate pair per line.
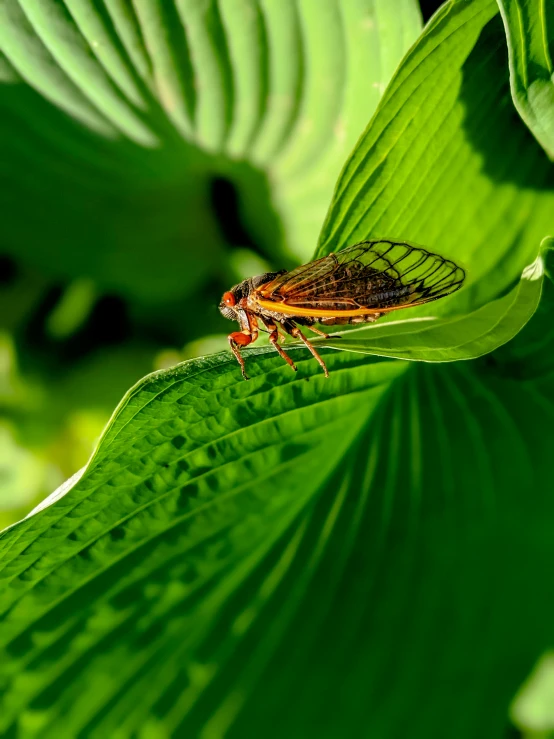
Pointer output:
x,y
445,162
233,545
529,26
532,708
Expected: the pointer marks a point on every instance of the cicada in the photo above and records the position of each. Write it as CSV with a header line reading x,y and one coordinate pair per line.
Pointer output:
x,y
358,284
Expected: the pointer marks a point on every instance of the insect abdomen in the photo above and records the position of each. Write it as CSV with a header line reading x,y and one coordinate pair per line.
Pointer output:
x,y
348,320
370,300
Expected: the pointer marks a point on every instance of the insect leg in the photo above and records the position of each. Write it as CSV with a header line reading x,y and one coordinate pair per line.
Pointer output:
x,y
317,331
241,338
274,339
322,333
297,334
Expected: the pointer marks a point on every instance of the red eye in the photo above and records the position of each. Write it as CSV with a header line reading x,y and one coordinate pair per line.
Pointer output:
x,y
229,299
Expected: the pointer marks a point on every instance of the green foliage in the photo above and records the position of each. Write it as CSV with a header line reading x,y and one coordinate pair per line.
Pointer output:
x,y
120,121
221,520
446,163
173,94
533,706
367,554
529,28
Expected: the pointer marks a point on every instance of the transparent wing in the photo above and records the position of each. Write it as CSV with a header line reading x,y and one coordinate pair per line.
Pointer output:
x,y
372,275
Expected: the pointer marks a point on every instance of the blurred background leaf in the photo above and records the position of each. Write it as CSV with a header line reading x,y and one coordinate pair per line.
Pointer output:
x,y
533,706
529,28
153,154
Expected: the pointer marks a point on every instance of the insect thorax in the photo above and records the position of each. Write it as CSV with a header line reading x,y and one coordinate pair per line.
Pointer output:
x,y
246,287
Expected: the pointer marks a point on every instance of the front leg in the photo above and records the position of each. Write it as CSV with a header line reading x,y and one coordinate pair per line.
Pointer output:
x,y
241,338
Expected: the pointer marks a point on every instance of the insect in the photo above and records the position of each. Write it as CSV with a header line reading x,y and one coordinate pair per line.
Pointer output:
x,y
356,285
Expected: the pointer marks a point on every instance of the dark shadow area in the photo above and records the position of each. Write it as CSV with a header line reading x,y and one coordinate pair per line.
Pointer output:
x,y
108,323
33,332
149,224
513,733
429,8
509,155
494,128
152,228
8,270
225,202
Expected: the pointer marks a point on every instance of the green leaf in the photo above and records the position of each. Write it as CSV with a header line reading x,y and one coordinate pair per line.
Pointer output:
x,y
527,356
529,26
194,482
532,708
459,337
232,545
120,115
444,162
306,556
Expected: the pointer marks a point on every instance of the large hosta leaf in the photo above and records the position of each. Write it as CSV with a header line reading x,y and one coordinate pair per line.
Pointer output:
x,y
445,162
196,480
335,546
529,28
120,115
